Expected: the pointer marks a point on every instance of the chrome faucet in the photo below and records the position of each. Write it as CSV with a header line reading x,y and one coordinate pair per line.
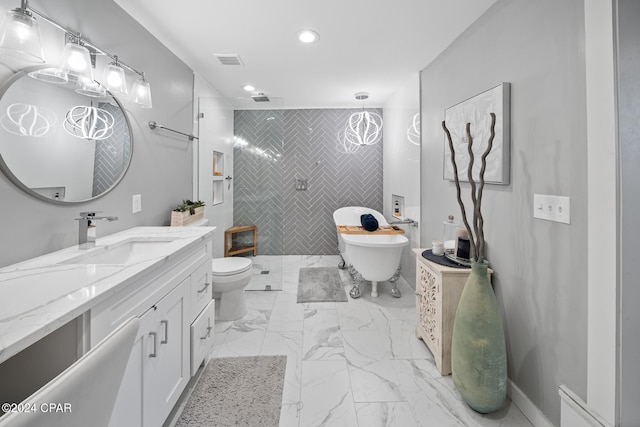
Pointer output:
x,y
411,222
87,232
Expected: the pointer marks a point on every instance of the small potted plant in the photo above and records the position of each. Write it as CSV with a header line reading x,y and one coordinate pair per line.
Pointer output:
x,y
187,212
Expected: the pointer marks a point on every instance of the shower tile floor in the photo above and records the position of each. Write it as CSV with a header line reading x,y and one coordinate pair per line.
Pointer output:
x,y
350,364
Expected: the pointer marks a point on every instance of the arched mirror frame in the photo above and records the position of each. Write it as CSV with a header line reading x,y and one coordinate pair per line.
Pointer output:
x,y
15,180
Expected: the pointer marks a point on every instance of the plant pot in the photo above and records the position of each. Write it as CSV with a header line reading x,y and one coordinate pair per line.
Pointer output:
x,y
478,351
179,219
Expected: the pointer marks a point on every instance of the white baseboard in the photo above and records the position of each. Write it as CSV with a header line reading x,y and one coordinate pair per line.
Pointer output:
x,y
574,412
526,406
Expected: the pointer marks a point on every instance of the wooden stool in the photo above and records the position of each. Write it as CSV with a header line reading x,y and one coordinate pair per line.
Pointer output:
x,y
235,249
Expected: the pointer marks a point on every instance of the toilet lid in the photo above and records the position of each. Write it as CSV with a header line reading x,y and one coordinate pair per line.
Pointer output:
x,y
230,265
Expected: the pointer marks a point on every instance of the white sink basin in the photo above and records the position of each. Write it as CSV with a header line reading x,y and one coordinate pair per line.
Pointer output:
x,y
126,252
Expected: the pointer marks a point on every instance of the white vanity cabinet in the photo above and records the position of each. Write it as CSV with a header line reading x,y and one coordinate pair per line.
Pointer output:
x,y
160,366
63,303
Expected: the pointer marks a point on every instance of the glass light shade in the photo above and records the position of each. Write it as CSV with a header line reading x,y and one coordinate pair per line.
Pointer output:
x,y
76,62
20,37
114,80
50,75
141,93
92,89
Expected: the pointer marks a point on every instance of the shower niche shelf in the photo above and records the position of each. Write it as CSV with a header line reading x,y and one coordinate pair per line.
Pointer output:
x,y
217,165
218,192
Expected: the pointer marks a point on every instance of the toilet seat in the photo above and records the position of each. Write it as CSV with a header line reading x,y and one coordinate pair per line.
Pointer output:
x,y
230,266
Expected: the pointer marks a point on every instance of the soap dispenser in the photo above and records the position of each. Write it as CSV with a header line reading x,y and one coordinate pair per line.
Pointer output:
x,y
396,210
449,235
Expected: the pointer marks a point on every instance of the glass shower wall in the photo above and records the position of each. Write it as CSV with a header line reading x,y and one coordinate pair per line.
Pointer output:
x,y
258,195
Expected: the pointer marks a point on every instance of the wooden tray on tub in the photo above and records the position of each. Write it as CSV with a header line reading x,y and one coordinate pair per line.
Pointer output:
x,y
358,229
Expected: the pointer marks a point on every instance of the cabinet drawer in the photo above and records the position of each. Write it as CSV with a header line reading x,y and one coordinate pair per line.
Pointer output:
x,y
201,292
202,336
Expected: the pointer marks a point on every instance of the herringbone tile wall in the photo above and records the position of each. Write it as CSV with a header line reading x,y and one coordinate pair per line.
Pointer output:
x,y
300,144
111,154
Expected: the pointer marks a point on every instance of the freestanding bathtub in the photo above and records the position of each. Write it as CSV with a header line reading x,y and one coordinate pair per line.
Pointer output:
x,y
373,257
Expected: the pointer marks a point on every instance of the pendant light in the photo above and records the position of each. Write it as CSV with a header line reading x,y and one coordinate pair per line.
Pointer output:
x,y
141,92
363,128
87,122
20,35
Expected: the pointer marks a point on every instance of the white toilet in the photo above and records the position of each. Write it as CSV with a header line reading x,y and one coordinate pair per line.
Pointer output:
x,y
230,276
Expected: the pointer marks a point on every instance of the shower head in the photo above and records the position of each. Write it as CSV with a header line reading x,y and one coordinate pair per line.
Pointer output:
x,y
261,97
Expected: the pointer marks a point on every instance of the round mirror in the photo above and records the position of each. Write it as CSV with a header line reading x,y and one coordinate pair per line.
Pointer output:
x,y
57,143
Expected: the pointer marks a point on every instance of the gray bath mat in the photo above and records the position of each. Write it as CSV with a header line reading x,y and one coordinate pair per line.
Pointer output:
x,y
320,284
237,391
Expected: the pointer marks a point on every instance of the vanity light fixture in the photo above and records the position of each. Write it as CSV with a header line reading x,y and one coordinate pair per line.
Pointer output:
x,y
78,58
50,75
76,62
362,128
20,35
308,36
141,92
114,79
91,88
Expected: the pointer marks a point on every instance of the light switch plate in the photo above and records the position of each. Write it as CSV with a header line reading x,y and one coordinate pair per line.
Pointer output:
x,y
552,208
136,203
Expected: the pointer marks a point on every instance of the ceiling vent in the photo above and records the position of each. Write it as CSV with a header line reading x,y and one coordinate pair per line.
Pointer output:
x,y
229,58
261,97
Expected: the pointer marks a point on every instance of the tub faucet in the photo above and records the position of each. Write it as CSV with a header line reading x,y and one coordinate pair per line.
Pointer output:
x,y
411,222
87,232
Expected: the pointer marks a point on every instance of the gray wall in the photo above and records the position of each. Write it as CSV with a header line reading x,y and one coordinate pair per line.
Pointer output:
x,y
307,141
161,169
540,279
629,133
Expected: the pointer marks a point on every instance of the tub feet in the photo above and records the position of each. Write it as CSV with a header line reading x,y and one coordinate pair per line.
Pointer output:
x,y
395,292
341,264
355,292
357,280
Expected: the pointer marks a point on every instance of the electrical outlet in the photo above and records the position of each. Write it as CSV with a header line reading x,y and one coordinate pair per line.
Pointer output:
x,y
552,208
136,203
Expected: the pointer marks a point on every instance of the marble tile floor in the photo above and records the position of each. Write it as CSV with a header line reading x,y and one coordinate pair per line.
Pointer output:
x,y
353,364
267,273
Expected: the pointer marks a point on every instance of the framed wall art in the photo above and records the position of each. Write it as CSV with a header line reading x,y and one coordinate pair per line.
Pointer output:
x,y
476,111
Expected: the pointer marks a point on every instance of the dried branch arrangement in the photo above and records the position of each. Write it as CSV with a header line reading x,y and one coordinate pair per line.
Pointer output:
x,y
476,235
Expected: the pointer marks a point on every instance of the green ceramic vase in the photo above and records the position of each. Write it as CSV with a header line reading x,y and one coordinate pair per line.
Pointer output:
x,y
478,352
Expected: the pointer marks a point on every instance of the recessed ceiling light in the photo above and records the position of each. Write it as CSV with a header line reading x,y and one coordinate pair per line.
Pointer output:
x,y
308,36
249,88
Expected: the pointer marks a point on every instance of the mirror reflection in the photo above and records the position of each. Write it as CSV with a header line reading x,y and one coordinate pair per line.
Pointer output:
x,y
60,145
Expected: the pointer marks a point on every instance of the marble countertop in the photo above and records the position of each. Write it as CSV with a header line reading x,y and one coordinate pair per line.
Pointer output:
x,y
39,295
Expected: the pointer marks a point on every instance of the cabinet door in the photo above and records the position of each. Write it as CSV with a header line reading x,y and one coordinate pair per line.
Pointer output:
x,y
166,367
128,407
429,307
